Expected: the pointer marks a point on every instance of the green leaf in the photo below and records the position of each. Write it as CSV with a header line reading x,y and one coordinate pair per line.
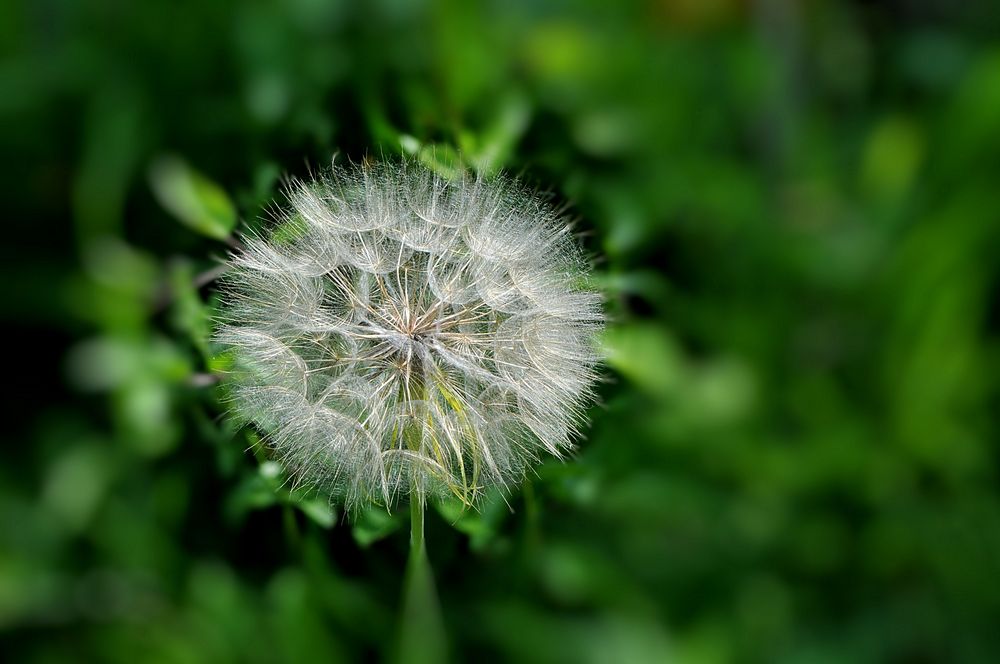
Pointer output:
x,y
646,355
319,510
192,198
373,524
892,157
253,493
480,524
189,313
442,158
491,148
144,410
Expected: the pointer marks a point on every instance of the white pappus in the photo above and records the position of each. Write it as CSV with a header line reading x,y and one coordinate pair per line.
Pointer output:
x,y
401,333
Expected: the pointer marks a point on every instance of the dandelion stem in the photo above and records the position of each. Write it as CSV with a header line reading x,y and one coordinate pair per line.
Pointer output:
x,y
417,527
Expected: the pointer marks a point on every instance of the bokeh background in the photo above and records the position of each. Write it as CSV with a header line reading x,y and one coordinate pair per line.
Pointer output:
x,y
796,210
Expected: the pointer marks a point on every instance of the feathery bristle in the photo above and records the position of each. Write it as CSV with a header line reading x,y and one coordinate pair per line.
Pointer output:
x,y
403,333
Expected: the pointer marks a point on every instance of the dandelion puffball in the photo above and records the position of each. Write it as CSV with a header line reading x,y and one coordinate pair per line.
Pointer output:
x,y
401,333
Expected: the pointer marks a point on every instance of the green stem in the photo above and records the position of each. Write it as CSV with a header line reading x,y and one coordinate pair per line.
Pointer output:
x,y
417,547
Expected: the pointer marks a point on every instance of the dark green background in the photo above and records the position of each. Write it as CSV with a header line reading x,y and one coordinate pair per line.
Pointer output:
x,y
797,211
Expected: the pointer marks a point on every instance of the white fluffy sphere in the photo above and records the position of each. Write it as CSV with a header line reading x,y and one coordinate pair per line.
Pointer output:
x,y
403,333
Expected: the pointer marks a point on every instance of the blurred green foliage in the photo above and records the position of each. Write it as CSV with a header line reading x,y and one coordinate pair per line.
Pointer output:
x,y
796,208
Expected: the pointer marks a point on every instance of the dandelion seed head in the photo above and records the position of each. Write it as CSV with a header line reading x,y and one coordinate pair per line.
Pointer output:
x,y
401,333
